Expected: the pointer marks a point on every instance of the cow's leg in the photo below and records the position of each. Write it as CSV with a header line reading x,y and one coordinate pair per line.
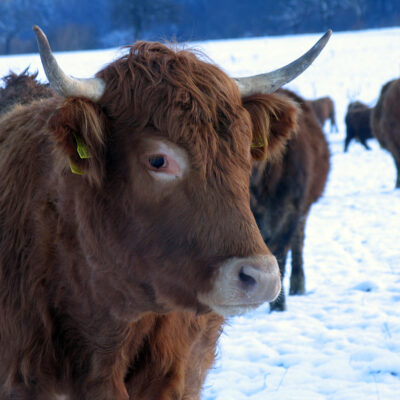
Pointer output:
x,y
347,142
297,277
398,174
365,144
280,303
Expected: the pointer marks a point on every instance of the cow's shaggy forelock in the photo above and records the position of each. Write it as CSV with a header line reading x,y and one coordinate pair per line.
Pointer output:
x,y
188,100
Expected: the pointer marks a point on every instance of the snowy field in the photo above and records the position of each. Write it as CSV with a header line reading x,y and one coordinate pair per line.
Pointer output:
x,y
341,341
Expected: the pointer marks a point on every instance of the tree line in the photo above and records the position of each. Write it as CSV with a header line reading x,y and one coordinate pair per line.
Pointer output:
x,y
77,24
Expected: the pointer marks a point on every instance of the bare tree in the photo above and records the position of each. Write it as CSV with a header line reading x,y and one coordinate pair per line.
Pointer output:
x,y
359,7
296,14
139,15
18,17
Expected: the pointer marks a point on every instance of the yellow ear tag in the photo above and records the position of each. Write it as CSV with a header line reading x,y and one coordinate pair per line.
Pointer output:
x,y
75,169
257,145
81,147
83,153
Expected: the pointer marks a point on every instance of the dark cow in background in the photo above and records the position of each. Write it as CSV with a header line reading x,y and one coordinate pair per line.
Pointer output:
x,y
358,126
284,189
127,235
324,109
385,122
22,89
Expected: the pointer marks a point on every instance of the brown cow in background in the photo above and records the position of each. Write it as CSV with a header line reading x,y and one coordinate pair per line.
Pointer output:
x,y
284,189
358,124
324,109
385,122
21,88
127,234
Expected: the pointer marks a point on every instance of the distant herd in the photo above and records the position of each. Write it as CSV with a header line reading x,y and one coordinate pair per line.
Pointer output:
x,y
131,208
381,122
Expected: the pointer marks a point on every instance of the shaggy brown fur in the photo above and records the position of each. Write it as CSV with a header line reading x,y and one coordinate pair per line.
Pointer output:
x,y
385,122
358,125
284,189
324,109
99,273
21,89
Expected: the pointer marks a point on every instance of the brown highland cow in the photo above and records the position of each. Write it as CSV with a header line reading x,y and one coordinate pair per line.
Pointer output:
x,y
358,125
126,230
385,122
324,109
283,190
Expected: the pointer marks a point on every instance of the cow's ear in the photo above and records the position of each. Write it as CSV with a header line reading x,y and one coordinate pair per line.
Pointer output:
x,y
274,119
79,127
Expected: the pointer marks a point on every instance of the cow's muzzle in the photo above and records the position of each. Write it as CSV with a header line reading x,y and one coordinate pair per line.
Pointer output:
x,y
243,284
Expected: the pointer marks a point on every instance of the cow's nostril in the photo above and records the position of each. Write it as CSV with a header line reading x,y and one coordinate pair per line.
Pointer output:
x,y
246,278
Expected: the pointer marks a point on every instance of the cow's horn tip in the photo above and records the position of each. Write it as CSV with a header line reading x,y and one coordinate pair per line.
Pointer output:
x,y
38,31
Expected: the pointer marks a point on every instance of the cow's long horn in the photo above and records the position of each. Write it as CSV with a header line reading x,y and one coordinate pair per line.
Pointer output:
x,y
64,85
272,81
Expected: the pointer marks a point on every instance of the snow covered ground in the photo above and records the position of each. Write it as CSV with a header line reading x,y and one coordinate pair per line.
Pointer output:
x,y
341,341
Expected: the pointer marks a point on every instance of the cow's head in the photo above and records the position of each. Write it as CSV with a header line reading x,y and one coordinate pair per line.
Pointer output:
x,y
162,202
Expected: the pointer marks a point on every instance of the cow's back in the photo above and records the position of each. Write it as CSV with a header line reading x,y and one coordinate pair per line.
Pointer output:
x,y
311,143
301,174
22,89
323,108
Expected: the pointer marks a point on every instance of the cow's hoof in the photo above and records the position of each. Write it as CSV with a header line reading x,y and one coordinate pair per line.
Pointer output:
x,y
297,287
277,306
297,291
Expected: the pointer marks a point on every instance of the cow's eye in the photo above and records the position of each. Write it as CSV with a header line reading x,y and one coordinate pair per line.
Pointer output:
x,y
157,161
163,162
